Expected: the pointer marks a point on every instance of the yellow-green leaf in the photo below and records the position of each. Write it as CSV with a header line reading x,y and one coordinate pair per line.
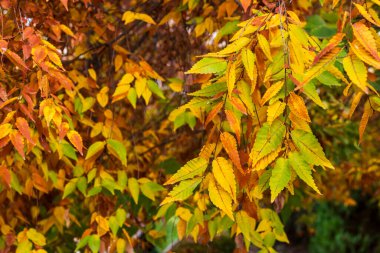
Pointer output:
x,y
191,169
95,148
280,177
303,169
134,188
207,66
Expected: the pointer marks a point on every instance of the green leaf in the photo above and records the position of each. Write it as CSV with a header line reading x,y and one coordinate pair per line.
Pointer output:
x,y
122,179
280,177
303,169
69,187
82,185
113,224
210,90
245,224
328,79
182,191
153,87
69,150
134,188
95,148
15,184
310,90
208,65
132,96
94,191
191,169
82,242
268,139
94,243
121,216
119,149
310,148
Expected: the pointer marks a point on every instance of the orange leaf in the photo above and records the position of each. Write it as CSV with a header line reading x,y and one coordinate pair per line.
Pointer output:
x,y
334,41
13,57
245,4
213,113
24,129
365,37
234,123
298,107
64,2
18,142
76,140
5,175
363,122
229,144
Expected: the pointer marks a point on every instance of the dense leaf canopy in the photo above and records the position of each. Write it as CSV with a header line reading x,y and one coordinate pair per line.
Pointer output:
x,y
130,125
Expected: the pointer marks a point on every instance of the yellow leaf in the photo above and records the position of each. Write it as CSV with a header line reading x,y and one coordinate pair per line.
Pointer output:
x,y
102,96
355,102
249,59
5,129
92,73
134,188
103,226
365,14
120,245
298,107
36,237
55,59
231,77
264,45
275,110
220,198
121,92
356,71
118,62
271,92
224,175
360,52
66,30
140,85
130,16
363,122
365,37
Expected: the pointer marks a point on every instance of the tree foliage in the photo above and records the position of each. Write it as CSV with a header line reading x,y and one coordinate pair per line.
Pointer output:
x,y
102,101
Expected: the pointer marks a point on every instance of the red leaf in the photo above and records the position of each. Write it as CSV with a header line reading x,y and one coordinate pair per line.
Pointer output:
x,y
76,140
245,4
24,129
18,142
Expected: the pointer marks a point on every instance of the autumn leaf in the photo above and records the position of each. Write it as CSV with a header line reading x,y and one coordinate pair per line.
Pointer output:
x,y
191,169
224,175
75,138
220,198
229,144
